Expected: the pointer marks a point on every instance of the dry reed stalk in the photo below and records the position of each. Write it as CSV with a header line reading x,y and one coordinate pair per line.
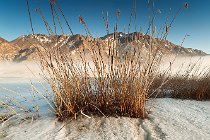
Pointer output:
x,y
29,14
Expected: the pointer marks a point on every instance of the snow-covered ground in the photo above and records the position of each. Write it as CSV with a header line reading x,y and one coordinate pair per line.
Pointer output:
x,y
179,119
167,119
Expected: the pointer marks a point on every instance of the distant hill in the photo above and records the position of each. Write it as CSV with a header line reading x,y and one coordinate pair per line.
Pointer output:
x,y
24,47
69,43
165,46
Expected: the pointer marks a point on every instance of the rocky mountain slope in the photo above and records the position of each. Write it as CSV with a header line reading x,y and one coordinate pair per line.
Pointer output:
x,y
7,50
24,47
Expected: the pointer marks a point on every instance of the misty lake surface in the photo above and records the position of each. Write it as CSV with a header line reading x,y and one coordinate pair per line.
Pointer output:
x,y
21,91
171,116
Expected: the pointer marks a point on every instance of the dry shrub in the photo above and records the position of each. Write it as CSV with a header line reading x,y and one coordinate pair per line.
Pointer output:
x,y
192,83
92,81
198,89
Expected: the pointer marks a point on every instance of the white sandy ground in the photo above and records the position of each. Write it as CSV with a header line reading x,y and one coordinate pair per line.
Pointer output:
x,y
168,119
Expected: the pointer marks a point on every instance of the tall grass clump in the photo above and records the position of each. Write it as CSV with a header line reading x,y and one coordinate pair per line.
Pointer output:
x,y
112,79
96,82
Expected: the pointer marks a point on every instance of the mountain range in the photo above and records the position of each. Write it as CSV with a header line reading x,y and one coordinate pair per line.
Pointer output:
x,y
24,47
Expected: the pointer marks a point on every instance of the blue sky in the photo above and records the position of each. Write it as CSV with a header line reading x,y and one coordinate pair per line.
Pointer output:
x,y
194,20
